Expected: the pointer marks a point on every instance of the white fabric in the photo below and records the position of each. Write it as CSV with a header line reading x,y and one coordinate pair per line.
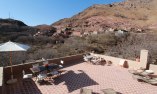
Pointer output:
x,y
121,63
89,57
23,72
42,76
27,76
62,62
45,62
60,66
85,59
43,59
149,71
12,46
35,65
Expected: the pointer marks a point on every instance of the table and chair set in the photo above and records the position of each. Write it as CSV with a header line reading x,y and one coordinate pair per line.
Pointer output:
x,y
46,71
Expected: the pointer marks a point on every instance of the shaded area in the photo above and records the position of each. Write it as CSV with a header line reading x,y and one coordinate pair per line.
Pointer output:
x,y
46,82
23,87
75,81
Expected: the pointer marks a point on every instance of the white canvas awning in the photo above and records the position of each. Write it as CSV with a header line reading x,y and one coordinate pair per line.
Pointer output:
x,y
12,46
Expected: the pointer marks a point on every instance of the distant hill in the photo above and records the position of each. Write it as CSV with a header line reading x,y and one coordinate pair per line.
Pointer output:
x,y
138,14
11,29
128,15
11,22
18,31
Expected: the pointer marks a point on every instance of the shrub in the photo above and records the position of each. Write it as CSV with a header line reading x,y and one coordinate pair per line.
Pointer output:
x,y
25,39
131,47
17,58
45,53
99,43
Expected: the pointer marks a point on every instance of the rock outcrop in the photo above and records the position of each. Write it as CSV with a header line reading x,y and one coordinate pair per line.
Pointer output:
x,y
138,14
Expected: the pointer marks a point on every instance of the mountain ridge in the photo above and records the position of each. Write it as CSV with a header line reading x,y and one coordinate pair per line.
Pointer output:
x,y
139,14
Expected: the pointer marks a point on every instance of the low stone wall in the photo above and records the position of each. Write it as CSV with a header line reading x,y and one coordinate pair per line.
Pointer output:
x,y
115,61
17,69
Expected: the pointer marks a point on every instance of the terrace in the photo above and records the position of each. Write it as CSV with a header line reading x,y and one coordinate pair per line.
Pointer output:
x,y
79,74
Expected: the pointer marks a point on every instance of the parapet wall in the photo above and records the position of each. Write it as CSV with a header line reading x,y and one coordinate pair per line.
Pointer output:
x,y
67,60
17,69
115,61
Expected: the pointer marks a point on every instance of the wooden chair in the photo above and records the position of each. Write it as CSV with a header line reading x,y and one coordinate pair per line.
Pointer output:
x,y
42,75
26,77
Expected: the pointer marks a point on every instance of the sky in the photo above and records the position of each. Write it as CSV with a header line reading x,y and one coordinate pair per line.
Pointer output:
x,y
37,12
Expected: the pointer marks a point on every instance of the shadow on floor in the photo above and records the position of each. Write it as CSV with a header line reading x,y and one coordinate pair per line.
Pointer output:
x,y
23,87
75,81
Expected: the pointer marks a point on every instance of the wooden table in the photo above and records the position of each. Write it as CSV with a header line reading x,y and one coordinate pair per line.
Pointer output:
x,y
37,71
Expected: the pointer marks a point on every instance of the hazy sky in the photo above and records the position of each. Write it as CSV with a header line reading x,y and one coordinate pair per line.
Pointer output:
x,y
35,12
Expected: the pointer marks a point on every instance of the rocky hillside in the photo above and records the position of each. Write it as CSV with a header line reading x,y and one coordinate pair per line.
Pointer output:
x,y
8,22
129,14
11,29
18,31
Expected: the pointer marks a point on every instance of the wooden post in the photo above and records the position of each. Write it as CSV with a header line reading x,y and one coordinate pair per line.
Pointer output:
x,y
11,65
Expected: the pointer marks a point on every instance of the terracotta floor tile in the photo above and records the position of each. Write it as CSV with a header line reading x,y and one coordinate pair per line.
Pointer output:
x,y
84,75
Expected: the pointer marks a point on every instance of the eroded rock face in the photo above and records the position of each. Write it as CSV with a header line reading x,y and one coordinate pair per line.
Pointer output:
x,y
137,14
125,15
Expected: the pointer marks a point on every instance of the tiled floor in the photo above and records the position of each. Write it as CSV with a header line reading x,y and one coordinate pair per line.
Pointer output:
x,y
84,75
